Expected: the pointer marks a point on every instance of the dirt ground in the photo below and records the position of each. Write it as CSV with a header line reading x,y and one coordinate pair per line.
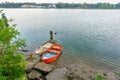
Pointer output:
x,y
84,71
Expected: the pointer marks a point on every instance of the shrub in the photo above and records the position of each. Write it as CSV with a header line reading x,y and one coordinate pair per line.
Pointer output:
x,y
12,62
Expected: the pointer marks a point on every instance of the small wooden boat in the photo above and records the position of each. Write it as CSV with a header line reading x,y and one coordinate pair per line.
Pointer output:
x,y
40,50
52,53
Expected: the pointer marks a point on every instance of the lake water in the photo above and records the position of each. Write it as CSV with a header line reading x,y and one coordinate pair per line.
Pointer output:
x,y
89,35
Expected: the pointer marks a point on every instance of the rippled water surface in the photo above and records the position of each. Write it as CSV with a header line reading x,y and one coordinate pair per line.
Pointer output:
x,y
90,35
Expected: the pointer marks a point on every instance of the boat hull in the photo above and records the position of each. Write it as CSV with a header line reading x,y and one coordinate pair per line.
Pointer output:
x,y
55,49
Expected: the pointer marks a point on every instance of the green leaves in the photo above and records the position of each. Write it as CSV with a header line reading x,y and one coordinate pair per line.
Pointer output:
x,y
12,62
100,77
8,33
12,66
2,23
20,43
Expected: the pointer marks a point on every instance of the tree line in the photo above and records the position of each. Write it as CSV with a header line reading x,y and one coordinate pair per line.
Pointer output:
x,y
63,5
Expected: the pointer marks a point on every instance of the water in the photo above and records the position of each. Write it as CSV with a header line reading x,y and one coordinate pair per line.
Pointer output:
x,y
90,35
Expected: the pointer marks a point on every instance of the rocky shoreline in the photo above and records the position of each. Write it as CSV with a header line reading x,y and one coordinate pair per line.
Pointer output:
x,y
38,70
63,70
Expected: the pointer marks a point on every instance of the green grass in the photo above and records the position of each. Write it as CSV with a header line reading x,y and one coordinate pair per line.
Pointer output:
x,y
100,77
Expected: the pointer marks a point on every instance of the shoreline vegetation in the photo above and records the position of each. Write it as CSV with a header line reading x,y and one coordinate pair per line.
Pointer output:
x,y
12,62
60,5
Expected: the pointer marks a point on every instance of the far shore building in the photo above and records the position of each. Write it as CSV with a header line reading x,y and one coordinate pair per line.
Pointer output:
x,y
30,6
52,6
33,6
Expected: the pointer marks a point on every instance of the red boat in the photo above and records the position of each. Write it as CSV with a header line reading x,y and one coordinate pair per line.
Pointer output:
x,y
52,53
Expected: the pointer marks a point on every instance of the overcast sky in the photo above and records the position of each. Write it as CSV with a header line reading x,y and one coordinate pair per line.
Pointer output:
x,y
69,1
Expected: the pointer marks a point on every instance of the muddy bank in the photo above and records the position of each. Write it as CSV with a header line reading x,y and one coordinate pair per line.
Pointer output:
x,y
85,71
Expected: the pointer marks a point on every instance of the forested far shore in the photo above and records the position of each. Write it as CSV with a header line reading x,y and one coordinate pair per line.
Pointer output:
x,y
61,5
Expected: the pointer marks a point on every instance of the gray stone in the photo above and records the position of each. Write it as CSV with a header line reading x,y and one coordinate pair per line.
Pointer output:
x,y
76,79
57,74
71,74
34,75
35,59
29,65
28,56
44,67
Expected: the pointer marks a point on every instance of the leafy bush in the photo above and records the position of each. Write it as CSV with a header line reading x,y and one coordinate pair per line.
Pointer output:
x,y
12,62
12,67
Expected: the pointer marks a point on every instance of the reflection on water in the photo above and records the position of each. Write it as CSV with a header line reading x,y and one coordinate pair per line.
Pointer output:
x,y
91,35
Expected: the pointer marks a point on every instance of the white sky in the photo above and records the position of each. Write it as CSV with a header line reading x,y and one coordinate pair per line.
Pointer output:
x,y
69,1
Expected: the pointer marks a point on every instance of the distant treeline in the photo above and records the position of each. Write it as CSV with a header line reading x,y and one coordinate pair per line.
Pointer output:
x,y
61,5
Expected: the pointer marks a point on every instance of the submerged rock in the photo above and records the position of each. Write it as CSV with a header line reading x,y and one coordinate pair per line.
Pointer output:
x,y
44,67
57,74
76,79
71,75
35,75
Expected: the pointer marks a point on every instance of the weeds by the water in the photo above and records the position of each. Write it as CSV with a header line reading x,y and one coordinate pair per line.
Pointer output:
x,y
118,74
100,77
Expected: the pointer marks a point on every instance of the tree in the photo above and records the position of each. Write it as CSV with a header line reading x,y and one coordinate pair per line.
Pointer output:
x,y
117,5
12,62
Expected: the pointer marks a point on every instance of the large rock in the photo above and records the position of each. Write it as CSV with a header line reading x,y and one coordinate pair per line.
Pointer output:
x,y
33,58
72,75
35,75
29,67
44,67
58,74
28,56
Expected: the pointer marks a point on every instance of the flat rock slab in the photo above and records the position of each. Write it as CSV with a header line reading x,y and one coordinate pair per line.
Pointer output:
x,y
33,58
57,74
34,75
44,67
29,65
